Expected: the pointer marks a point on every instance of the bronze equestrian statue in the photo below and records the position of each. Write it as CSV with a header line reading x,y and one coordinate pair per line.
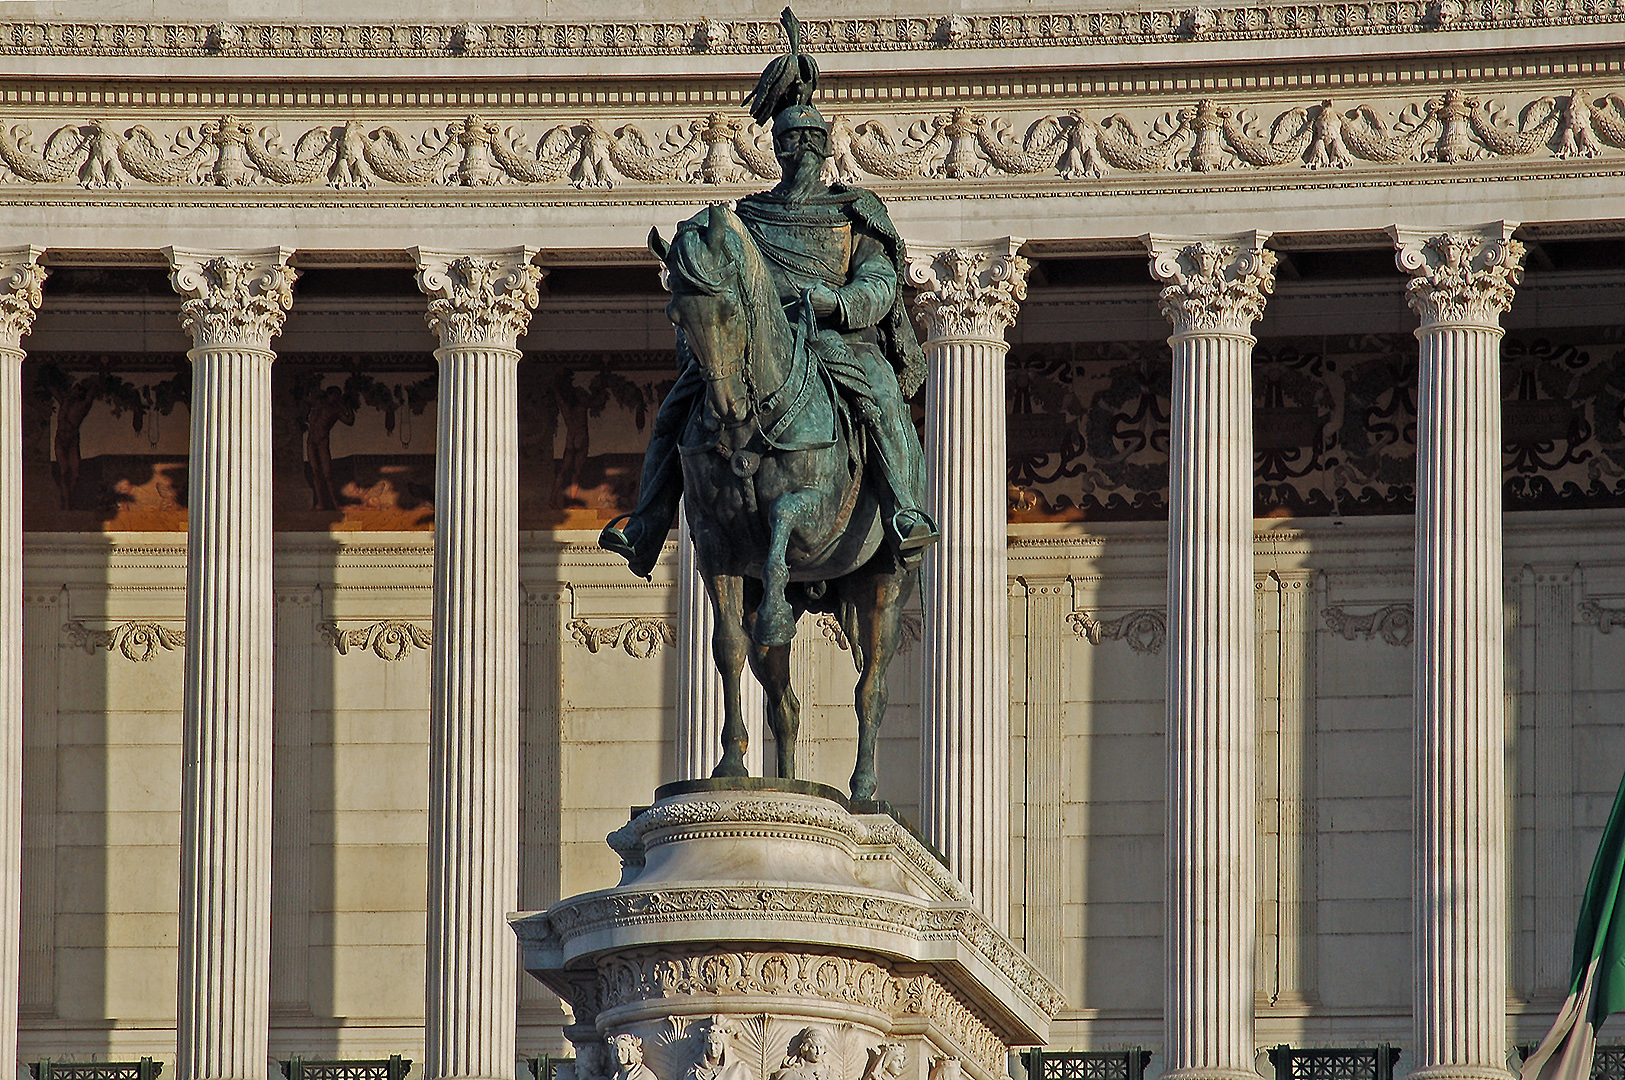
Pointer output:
x,y
789,424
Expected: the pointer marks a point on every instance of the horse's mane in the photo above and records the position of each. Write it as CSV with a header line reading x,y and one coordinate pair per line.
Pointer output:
x,y
693,264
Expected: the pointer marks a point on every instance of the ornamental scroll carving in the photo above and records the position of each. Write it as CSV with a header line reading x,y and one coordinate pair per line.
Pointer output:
x,y
1145,629
1104,25
233,299
21,281
478,299
389,639
1460,277
1213,285
593,151
639,638
1605,619
1393,623
138,641
968,293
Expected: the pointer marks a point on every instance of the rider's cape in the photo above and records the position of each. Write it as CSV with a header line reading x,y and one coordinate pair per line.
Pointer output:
x,y
897,338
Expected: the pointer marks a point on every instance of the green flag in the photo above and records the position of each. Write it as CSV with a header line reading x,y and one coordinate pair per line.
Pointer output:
x,y
1597,979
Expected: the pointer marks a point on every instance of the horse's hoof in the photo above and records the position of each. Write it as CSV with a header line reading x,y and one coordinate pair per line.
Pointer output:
x,y
727,767
863,788
774,629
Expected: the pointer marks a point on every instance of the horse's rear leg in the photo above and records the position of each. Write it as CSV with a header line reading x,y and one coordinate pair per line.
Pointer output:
x,y
729,648
775,619
772,668
878,600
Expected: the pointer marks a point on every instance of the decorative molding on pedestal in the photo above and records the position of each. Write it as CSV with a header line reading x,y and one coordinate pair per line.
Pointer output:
x,y
1214,290
239,299
1145,630
777,916
388,639
136,640
968,299
21,277
1393,623
1462,283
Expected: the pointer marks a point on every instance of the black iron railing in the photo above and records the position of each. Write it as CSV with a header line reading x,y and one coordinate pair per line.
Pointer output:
x,y
393,1067
1335,1063
145,1069
1086,1064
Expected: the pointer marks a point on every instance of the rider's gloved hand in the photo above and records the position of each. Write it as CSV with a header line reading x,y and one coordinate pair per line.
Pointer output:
x,y
823,299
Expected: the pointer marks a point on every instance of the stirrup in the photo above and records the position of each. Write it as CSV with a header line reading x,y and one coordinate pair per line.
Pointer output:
x,y
920,537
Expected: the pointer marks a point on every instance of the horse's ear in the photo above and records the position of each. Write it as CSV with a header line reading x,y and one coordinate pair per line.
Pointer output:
x,y
715,228
657,245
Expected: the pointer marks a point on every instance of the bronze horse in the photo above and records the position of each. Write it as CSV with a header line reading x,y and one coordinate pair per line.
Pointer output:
x,y
783,518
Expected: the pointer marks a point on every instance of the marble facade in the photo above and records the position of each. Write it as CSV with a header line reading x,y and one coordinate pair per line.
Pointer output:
x,y
295,820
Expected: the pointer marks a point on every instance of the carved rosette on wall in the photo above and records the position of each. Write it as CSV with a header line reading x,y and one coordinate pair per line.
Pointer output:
x,y
233,300
1213,286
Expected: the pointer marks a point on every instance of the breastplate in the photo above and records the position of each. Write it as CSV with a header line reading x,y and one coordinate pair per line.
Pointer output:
x,y
810,244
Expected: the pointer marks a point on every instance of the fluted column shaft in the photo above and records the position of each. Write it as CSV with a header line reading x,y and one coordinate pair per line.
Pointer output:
x,y
479,306
235,304
1215,291
20,278
1461,284
699,686
968,299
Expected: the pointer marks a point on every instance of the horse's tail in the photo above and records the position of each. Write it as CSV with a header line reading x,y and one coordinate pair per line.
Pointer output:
x,y
848,614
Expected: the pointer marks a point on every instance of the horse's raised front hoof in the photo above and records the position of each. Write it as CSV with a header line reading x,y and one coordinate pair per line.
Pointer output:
x,y
863,784
775,625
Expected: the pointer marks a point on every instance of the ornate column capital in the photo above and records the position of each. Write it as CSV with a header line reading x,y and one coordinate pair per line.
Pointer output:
x,y
1460,276
1213,284
479,297
970,292
233,297
21,278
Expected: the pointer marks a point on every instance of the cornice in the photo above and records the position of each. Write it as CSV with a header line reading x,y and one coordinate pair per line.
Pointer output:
x,y
1121,25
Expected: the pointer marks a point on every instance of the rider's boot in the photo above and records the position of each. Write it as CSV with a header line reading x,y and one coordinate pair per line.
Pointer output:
x,y
639,541
909,528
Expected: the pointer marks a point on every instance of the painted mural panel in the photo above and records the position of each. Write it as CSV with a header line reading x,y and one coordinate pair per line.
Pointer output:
x,y
1334,433
1334,426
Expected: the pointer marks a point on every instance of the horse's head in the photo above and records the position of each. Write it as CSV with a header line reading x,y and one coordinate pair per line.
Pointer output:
x,y
724,303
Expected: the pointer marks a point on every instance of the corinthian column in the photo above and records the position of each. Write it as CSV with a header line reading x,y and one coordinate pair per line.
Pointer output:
x,y
479,305
968,297
1461,283
1215,290
235,304
21,276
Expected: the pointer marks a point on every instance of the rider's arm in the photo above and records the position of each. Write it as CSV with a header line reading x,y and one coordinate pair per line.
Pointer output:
x,y
869,292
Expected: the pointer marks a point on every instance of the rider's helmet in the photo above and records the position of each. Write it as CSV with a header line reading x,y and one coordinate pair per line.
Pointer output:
x,y
798,127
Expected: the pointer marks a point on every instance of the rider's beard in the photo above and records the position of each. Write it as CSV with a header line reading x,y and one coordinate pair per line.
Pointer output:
x,y
802,175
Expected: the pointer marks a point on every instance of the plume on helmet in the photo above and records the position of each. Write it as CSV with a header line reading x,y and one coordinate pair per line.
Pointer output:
x,y
789,80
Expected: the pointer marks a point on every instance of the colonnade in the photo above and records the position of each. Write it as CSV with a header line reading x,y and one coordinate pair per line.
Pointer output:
x,y
479,303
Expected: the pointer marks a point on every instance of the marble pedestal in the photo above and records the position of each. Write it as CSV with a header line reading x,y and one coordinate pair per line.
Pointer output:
x,y
790,936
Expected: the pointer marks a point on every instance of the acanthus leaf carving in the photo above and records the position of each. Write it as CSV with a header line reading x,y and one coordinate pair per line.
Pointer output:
x,y
1466,277
22,279
240,298
480,298
969,293
1213,285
